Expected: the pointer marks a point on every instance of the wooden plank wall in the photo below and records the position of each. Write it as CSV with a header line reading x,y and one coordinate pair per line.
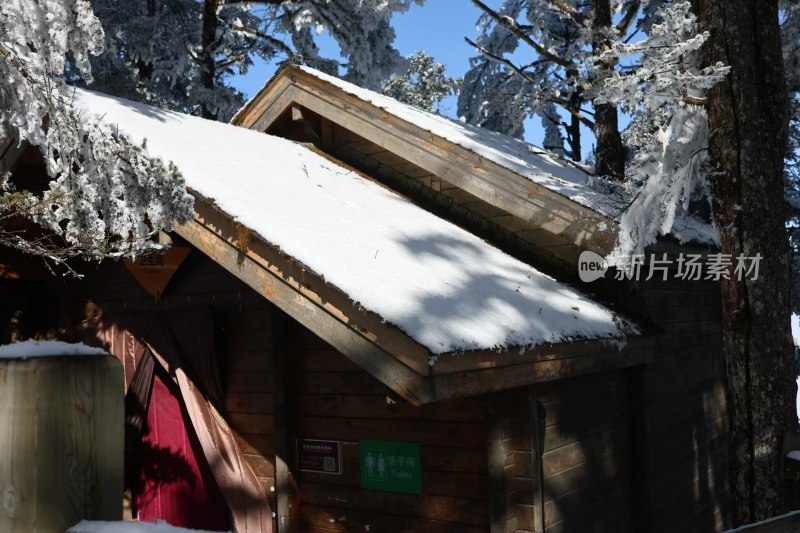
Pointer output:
x,y
684,405
676,435
646,445
335,399
641,449
586,465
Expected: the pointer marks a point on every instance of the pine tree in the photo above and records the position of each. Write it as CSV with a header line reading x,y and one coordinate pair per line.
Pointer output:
x,y
566,41
749,116
712,116
424,84
665,91
106,197
179,54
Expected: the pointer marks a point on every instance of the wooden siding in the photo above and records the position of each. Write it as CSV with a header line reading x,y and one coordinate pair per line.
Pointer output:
x,y
585,482
641,449
332,398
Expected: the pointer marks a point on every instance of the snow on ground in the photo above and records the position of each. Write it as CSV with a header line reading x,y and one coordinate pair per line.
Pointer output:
x,y
160,526
444,287
31,348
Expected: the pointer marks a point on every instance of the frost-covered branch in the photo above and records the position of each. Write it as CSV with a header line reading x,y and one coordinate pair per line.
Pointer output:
x,y
669,133
424,84
181,54
510,24
107,196
569,10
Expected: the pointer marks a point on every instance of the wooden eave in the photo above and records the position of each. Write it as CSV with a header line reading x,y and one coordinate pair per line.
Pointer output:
x,y
382,350
489,181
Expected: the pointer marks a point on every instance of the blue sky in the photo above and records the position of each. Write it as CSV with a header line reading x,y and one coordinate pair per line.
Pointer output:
x,y
421,27
438,27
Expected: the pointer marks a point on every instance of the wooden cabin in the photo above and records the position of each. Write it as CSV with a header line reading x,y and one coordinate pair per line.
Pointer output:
x,y
376,324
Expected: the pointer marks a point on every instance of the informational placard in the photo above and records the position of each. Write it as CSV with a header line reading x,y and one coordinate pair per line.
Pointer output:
x,y
391,466
153,271
321,456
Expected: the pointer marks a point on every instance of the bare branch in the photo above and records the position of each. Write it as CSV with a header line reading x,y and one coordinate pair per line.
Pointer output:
x,y
567,9
511,25
563,103
628,17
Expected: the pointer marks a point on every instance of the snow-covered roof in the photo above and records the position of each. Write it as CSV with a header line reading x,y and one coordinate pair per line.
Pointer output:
x,y
442,286
567,178
33,348
541,167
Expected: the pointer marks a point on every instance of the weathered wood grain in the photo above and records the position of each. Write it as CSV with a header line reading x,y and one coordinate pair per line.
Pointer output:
x,y
61,442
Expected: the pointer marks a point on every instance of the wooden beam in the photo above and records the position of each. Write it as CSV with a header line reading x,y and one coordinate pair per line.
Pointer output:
x,y
636,350
312,287
498,448
372,358
535,412
326,133
258,105
483,178
284,346
477,381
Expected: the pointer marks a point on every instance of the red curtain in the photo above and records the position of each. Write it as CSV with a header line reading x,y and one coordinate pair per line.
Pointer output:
x,y
182,346
175,485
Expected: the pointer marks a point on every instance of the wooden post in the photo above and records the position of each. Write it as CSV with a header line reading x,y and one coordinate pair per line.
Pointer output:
x,y
537,449
498,450
640,448
284,337
61,442
326,133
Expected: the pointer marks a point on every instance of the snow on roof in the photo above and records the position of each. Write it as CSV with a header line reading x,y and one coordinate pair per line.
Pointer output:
x,y
536,164
31,348
87,526
444,287
529,161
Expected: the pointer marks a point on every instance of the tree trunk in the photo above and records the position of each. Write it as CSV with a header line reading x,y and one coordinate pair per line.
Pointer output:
x,y
610,154
574,138
145,70
573,129
208,67
748,121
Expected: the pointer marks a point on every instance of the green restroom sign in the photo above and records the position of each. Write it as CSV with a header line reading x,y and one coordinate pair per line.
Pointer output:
x,y
391,466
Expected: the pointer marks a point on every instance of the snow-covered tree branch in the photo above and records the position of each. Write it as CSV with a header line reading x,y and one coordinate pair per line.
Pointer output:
x,y
424,84
179,54
106,197
665,94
